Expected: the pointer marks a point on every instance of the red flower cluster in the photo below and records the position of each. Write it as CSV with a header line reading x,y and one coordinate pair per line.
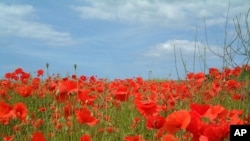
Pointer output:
x,y
90,105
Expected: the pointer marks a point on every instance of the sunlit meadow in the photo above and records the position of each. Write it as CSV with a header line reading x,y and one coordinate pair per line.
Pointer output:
x,y
41,106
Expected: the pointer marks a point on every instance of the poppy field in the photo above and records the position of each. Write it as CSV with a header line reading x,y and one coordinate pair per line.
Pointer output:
x,y
201,107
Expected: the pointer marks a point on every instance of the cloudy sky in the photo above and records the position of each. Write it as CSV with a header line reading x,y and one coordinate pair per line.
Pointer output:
x,y
115,38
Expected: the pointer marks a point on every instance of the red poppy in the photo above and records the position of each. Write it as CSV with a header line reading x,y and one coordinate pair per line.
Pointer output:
x,y
24,91
18,71
227,72
35,83
190,76
236,113
199,77
38,136
196,125
155,122
214,72
216,132
8,138
236,97
83,115
199,108
177,120
25,77
3,94
84,96
236,71
232,84
20,111
134,138
70,84
61,93
8,75
214,111
109,129
121,93
5,112
147,108
168,137
40,72
203,138
68,110
85,137
216,86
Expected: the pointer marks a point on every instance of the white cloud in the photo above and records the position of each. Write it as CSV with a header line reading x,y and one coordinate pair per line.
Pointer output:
x,y
187,48
183,14
18,20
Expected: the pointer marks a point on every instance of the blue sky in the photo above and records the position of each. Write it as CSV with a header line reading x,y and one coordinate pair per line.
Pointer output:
x,y
114,38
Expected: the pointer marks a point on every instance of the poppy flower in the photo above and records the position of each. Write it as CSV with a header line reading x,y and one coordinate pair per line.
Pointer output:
x,y
134,138
232,84
61,93
24,91
38,136
168,137
85,137
199,108
147,108
8,138
70,84
236,71
216,132
199,77
190,76
203,138
196,125
121,93
236,97
84,96
214,111
155,122
40,72
20,111
18,71
5,112
227,72
83,115
214,72
3,94
177,120
216,86
109,129
68,110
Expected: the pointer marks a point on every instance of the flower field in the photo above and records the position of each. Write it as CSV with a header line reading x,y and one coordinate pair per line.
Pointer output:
x,y
82,108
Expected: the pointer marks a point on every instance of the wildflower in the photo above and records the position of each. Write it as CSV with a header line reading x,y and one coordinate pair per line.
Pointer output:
x,y
24,91
134,138
85,137
38,136
216,132
5,112
40,72
83,115
155,122
146,108
168,137
20,111
199,108
177,120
